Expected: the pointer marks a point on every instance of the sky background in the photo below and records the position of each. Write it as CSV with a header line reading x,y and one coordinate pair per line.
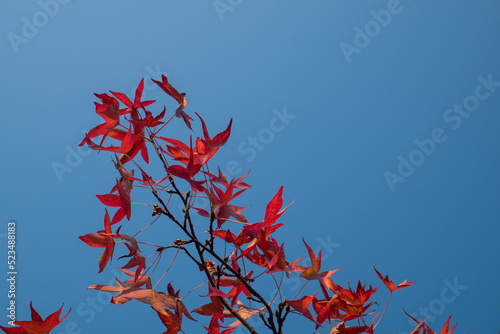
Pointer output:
x,y
362,97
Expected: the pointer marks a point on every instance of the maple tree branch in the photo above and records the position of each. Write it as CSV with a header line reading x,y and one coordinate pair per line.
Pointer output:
x,y
283,306
261,316
191,256
230,270
237,275
199,246
222,300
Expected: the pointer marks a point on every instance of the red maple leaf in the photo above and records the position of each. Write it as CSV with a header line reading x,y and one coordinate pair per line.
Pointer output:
x,y
353,302
215,307
37,325
260,233
103,239
279,264
207,147
131,289
341,328
390,284
137,258
227,236
220,199
127,138
221,207
107,110
236,184
237,287
214,327
312,272
187,173
148,120
137,101
427,330
121,200
146,179
171,321
325,309
302,305
273,209
179,97
445,329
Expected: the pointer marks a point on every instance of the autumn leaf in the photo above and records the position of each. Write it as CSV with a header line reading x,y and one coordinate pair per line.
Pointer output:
x,y
427,329
390,284
129,290
136,260
107,110
215,307
312,272
179,97
127,177
325,309
207,147
127,138
171,322
229,237
237,286
214,327
137,101
148,120
235,183
445,329
243,311
146,179
301,305
221,207
187,173
273,209
278,264
37,325
103,239
353,302
121,200
341,328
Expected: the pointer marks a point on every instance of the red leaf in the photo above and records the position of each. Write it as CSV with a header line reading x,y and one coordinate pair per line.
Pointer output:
x,y
445,329
179,97
312,272
390,284
301,305
103,239
37,325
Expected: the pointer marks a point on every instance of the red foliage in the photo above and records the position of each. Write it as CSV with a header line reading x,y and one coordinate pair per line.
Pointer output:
x,y
228,276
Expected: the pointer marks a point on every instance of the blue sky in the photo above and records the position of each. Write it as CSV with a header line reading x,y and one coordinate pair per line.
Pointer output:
x,y
387,140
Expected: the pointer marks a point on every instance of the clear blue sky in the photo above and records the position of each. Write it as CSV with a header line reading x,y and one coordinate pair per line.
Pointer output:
x,y
390,148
